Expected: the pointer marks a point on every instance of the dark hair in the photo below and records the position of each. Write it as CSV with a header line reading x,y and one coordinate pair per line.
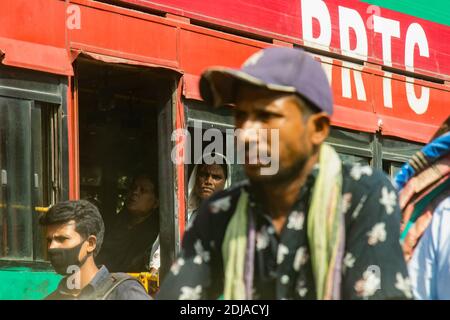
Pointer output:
x,y
148,176
306,107
88,220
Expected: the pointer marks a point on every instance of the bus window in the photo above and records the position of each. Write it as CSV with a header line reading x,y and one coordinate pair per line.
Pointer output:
x,y
352,159
392,168
395,153
26,175
352,146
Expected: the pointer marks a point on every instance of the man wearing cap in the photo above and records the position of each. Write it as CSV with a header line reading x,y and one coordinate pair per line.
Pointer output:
x,y
316,229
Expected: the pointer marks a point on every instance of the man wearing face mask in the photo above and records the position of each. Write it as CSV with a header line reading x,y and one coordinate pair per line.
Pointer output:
x,y
74,232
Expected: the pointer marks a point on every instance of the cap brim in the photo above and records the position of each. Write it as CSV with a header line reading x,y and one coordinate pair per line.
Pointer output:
x,y
218,85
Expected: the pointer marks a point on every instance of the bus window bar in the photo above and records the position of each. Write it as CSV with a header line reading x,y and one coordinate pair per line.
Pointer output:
x,y
4,178
21,207
149,280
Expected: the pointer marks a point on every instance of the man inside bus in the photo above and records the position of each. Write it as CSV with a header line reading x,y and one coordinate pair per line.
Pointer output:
x,y
204,181
74,232
129,242
316,229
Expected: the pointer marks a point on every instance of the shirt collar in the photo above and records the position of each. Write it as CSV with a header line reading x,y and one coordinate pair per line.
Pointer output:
x,y
99,277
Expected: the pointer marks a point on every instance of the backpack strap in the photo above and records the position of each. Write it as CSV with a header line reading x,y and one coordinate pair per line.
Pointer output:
x,y
111,283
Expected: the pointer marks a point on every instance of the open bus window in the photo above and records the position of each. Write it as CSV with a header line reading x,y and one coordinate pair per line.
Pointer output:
x,y
30,176
392,168
118,120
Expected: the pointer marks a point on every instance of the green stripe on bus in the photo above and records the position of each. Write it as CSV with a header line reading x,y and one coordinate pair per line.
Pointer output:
x,y
433,10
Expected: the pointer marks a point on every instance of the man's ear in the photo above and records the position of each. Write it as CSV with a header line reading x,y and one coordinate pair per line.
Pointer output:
x,y
92,243
319,127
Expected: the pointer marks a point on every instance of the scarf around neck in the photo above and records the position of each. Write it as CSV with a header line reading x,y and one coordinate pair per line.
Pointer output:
x,y
325,229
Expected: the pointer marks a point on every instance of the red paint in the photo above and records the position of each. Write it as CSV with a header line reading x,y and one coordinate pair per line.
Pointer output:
x,y
180,124
72,143
282,20
26,41
400,120
115,33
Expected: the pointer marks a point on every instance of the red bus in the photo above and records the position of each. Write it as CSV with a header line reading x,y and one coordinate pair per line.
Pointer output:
x,y
91,89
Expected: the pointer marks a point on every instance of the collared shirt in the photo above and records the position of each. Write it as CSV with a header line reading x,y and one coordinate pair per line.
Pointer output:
x,y
373,264
429,267
127,290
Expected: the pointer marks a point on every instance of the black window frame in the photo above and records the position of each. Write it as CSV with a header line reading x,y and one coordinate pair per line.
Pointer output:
x,y
47,94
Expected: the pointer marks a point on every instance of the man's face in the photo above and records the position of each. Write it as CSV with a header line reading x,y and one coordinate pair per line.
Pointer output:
x,y
64,236
141,198
210,179
258,108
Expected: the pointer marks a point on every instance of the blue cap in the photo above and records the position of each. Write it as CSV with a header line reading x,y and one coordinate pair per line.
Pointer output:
x,y
279,69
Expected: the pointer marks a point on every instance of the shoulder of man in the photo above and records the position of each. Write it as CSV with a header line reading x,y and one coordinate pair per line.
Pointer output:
x,y
121,286
364,177
53,296
362,180
215,211
362,184
222,203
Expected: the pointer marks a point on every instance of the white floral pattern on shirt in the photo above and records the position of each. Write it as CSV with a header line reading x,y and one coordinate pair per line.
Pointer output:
x,y
189,293
377,234
403,284
346,202
388,200
349,261
296,220
369,284
219,205
262,240
358,171
284,279
175,269
282,251
301,289
301,257
201,254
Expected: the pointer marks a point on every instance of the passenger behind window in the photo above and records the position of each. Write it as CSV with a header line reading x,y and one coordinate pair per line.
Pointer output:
x,y
207,179
128,243
204,180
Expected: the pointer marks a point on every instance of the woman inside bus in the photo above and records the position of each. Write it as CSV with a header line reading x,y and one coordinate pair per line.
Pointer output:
x,y
129,241
206,179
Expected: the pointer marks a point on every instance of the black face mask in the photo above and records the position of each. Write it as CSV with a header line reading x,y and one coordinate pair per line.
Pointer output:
x,y
62,259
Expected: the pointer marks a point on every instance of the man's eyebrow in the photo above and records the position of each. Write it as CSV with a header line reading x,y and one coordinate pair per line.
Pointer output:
x,y
58,236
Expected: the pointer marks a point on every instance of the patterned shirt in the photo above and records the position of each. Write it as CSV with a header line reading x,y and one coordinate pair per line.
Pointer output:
x,y
373,264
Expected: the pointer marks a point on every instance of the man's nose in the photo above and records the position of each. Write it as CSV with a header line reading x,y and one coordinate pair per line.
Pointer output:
x,y
249,131
52,245
209,180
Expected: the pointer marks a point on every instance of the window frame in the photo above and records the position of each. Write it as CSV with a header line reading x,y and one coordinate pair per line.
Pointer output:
x,y
45,92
